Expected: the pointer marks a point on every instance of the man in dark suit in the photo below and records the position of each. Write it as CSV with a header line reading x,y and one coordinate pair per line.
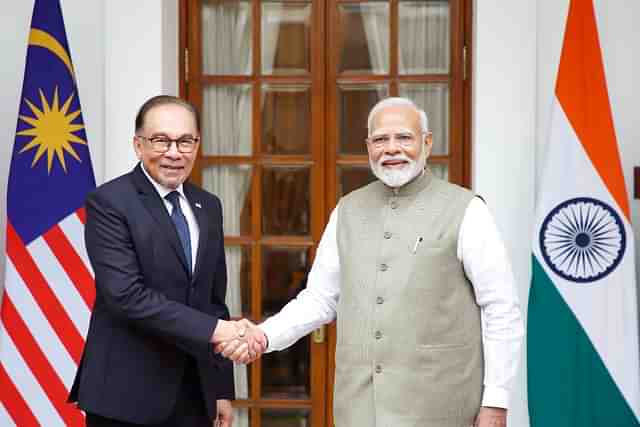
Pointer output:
x,y
155,243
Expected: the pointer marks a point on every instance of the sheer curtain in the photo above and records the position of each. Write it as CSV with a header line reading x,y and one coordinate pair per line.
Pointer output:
x,y
273,15
375,17
226,130
424,37
226,37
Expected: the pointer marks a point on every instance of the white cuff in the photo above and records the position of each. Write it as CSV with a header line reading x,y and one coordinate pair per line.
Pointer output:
x,y
496,397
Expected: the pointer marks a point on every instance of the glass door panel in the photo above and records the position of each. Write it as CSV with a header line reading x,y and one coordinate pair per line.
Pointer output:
x,y
232,184
286,37
424,37
363,37
226,120
286,119
286,203
226,37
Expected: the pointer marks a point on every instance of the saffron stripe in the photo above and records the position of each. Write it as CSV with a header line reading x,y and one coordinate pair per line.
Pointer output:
x,y
582,91
13,402
49,304
39,364
71,263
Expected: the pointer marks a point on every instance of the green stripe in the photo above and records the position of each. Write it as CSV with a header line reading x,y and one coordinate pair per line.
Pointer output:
x,y
568,383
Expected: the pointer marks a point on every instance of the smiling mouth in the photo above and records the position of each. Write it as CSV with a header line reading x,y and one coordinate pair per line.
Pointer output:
x,y
172,168
394,163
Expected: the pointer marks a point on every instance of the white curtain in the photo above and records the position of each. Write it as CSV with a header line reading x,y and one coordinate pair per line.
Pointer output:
x,y
226,130
226,37
424,37
375,17
273,16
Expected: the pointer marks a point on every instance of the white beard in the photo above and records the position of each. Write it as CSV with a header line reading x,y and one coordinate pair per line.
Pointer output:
x,y
398,177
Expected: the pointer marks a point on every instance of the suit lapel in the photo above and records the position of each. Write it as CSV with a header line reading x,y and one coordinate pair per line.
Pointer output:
x,y
203,225
154,204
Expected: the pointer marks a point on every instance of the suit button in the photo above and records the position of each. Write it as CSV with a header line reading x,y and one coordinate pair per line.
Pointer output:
x,y
378,369
379,300
394,204
384,267
387,235
378,335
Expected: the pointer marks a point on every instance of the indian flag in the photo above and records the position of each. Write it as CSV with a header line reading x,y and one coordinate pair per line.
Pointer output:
x,y
583,325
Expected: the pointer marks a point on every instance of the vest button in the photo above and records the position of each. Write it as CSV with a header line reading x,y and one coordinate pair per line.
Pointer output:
x,y
384,267
387,235
379,300
394,204
378,335
378,369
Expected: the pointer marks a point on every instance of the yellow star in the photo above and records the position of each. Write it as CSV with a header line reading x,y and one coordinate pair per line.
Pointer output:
x,y
52,130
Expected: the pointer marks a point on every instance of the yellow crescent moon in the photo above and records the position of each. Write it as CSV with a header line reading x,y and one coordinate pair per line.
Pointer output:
x,y
45,40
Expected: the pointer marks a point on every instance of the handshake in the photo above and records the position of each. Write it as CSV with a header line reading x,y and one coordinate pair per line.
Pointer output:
x,y
241,341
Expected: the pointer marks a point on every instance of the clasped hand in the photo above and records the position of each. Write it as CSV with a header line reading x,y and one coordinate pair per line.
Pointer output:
x,y
241,341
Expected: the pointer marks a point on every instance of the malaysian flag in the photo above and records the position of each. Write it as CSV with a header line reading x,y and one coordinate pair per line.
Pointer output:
x,y
49,287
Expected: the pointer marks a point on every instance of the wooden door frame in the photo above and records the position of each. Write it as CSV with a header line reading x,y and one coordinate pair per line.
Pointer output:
x,y
322,182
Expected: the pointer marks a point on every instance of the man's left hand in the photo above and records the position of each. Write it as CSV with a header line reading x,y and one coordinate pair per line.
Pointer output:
x,y
491,417
225,414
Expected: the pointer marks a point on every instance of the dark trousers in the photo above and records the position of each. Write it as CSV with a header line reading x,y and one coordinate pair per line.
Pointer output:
x,y
189,411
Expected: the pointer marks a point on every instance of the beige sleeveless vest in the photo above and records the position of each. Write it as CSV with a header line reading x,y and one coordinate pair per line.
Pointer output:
x,y
409,347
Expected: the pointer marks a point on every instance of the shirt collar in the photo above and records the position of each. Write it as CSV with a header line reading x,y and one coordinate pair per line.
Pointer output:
x,y
161,189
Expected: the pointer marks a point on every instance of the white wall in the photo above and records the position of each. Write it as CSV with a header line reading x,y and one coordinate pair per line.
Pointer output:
x,y
141,48
503,129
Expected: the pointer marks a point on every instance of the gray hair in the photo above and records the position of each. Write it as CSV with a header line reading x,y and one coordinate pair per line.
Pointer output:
x,y
398,101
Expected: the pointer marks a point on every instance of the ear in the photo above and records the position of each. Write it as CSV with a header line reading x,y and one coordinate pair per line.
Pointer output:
x,y
428,142
137,146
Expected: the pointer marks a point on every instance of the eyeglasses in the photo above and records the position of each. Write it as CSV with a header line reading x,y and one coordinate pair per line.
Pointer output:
x,y
404,139
162,144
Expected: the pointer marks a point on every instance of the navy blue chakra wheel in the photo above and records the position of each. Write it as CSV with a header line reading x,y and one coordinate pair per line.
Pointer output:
x,y
582,239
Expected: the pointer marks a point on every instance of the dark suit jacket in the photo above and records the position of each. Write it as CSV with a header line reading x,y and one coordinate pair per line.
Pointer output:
x,y
150,312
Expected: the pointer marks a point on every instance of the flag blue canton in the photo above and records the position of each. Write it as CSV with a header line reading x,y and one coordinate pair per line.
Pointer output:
x,y
50,173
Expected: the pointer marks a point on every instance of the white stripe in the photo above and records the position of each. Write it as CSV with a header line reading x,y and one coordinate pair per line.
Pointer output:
x,y
40,328
5,418
61,284
26,383
73,228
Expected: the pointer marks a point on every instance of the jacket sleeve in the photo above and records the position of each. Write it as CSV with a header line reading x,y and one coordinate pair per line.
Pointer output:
x,y
120,283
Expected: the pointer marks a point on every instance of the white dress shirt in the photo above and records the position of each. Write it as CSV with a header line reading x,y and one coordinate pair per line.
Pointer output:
x,y
482,253
194,230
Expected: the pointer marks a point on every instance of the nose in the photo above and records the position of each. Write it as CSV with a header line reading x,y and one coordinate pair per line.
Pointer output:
x,y
173,151
392,146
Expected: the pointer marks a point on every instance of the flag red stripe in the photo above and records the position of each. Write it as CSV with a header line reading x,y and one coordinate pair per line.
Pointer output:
x,y
71,263
44,296
82,215
14,403
39,364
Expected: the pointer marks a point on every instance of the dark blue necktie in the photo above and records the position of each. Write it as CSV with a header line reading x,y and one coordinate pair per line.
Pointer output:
x,y
179,220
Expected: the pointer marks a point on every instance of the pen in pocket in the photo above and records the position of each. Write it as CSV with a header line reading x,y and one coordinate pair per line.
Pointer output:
x,y
415,247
